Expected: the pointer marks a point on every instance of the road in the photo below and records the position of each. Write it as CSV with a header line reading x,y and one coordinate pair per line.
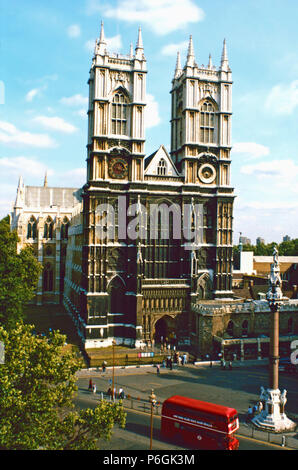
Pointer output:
x,y
233,388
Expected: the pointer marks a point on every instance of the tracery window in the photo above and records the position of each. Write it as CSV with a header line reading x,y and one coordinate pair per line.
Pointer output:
x,y
48,278
162,167
32,228
119,114
48,228
207,122
64,229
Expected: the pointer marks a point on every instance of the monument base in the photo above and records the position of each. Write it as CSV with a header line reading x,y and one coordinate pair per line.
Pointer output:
x,y
273,418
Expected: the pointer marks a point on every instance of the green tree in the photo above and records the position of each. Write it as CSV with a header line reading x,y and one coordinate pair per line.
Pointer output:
x,y
37,386
19,274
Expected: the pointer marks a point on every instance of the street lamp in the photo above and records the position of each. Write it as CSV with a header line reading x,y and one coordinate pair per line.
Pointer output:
x,y
113,375
273,417
152,399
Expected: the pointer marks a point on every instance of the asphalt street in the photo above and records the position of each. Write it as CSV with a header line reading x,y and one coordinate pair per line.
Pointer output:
x,y
237,388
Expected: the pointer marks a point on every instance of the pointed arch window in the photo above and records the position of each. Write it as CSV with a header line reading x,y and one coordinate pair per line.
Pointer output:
x,y
64,229
245,328
162,167
207,122
48,228
230,328
119,114
48,278
32,228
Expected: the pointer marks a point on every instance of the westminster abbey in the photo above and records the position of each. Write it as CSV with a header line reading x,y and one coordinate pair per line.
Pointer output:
x,y
147,238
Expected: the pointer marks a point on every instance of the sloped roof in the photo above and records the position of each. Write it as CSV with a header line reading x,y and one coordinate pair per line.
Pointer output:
x,y
43,196
152,161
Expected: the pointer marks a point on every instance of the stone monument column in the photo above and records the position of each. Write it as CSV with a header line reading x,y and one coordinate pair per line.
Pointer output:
x,y
273,417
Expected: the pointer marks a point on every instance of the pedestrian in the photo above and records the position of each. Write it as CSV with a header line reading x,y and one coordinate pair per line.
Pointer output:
x,y
90,385
255,409
249,414
163,363
158,369
120,395
109,392
171,364
230,365
260,406
185,358
210,363
104,366
94,389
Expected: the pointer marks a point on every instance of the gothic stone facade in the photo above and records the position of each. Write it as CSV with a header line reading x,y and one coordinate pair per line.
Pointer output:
x,y
135,289
138,288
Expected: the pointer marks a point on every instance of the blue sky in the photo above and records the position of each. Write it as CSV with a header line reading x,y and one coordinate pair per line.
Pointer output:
x,y
46,49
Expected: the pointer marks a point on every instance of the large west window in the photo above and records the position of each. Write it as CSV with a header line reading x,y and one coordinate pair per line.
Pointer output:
x,y
119,114
207,122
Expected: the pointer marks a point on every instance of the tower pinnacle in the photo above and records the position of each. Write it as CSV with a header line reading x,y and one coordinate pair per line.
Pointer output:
x,y
139,46
178,66
190,54
224,58
102,44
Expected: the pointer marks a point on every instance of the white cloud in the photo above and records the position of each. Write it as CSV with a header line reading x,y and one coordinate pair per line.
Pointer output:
x,y
74,31
56,124
10,135
114,44
77,176
251,149
152,117
14,166
75,100
283,98
162,16
283,170
172,49
31,94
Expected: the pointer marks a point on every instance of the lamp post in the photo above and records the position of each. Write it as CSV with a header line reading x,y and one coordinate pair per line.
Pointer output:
x,y
113,374
273,417
152,399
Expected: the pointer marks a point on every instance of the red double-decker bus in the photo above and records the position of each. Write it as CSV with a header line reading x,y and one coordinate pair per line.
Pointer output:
x,y
199,424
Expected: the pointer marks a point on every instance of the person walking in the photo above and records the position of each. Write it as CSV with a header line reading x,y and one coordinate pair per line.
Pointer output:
x,y
249,414
90,387
94,389
158,369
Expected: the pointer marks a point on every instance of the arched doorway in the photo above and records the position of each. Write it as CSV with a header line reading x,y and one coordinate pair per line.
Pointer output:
x,y
165,330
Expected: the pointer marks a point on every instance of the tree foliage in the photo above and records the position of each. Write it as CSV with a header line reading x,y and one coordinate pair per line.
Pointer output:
x,y
37,386
287,248
19,274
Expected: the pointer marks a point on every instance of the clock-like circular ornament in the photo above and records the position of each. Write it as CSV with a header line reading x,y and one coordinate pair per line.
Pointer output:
x,y
118,168
207,173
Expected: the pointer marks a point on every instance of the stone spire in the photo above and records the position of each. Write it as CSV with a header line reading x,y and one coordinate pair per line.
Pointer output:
x,y
139,46
131,51
45,183
190,61
102,44
224,58
20,193
178,68
210,65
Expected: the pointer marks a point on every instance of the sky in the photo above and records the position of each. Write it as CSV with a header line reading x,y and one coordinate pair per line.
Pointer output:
x,y
46,48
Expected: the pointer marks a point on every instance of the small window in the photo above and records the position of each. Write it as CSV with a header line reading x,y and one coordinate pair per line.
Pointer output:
x,y
32,228
230,328
245,328
48,228
162,167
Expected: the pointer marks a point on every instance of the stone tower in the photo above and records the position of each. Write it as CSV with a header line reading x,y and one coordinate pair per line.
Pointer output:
x,y
200,148
115,169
